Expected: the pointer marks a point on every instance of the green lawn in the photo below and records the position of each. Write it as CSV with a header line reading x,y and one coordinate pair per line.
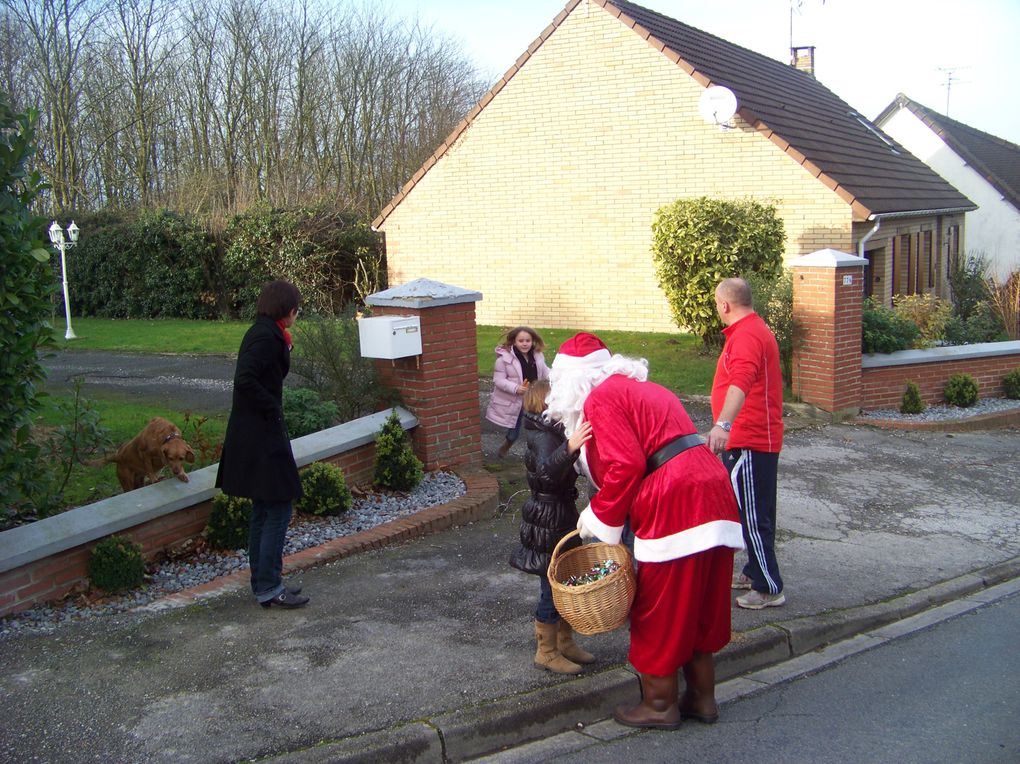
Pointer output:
x,y
675,361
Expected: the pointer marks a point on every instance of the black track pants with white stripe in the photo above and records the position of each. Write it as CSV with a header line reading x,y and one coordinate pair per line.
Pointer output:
x,y
754,475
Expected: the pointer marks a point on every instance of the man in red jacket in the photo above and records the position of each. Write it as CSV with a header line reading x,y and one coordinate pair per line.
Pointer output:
x,y
747,405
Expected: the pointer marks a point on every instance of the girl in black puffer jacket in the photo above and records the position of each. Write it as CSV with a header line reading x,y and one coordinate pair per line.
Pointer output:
x,y
546,517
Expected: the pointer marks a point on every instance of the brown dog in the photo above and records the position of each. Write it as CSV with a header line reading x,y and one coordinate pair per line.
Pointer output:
x,y
142,458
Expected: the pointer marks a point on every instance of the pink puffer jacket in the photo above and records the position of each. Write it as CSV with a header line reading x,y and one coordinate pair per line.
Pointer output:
x,y
505,404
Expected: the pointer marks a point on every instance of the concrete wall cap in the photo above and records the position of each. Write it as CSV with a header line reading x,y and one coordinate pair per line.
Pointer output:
x,y
933,355
828,258
423,293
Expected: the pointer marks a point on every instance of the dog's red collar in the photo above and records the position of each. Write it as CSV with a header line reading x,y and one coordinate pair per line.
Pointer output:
x,y
171,436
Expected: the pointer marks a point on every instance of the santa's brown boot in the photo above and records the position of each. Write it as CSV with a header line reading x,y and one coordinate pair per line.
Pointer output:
x,y
504,449
698,700
547,656
568,648
658,707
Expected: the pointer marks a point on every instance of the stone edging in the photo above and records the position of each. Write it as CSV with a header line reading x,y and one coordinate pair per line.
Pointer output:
x,y
480,499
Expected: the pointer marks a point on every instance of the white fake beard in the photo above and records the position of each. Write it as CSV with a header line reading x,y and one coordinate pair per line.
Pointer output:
x,y
570,388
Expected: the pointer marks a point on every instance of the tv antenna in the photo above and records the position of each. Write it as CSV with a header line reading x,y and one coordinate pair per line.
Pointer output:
x,y
950,73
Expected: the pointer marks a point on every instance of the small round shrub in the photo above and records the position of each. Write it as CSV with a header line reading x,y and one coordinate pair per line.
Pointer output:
x,y
1011,384
324,490
116,564
961,390
396,466
912,402
304,412
228,522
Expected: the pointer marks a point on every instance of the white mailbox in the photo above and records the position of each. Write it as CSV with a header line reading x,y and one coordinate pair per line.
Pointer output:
x,y
390,336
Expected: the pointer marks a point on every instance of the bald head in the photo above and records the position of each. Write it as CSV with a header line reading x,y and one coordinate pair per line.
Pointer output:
x,y
733,300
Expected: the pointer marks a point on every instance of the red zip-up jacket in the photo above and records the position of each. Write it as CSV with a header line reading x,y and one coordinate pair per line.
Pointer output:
x,y
750,360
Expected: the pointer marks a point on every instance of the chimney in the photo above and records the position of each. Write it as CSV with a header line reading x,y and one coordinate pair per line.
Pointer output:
x,y
803,59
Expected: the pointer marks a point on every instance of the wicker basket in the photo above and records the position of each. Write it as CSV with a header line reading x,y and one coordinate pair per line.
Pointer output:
x,y
601,605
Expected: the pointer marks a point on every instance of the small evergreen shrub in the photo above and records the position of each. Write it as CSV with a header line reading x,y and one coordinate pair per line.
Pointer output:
x,y
396,466
324,490
228,522
961,390
884,331
1011,384
911,403
116,564
304,412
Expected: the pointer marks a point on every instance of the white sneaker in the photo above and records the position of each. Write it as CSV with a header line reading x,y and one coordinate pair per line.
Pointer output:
x,y
760,600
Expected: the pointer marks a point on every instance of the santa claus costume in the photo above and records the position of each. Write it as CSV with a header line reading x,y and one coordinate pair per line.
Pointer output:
x,y
650,466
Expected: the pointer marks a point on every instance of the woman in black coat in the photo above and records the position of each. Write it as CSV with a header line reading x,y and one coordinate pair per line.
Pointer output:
x,y
257,461
546,517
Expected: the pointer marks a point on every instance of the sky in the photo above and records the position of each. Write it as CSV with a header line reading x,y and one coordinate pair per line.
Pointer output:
x,y
866,51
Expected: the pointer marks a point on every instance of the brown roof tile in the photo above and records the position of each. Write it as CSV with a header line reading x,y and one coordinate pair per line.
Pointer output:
x,y
995,159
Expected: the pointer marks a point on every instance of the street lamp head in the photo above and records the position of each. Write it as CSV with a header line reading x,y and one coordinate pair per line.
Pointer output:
x,y
56,233
72,231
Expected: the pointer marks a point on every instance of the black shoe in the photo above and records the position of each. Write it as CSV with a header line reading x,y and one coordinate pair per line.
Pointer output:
x,y
285,599
293,589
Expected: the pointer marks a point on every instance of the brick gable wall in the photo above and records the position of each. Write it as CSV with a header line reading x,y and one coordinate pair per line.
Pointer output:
x,y
546,200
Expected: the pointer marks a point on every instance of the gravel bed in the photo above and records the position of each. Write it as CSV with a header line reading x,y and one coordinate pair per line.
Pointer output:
x,y
943,413
368,512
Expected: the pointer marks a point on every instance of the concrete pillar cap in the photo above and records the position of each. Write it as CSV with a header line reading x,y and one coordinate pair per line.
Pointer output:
x,y
828,258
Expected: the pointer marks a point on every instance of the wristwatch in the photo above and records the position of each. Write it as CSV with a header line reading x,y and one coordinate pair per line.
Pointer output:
x,y
724,425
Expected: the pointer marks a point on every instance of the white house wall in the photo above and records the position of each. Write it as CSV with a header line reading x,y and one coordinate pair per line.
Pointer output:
x,y
993,228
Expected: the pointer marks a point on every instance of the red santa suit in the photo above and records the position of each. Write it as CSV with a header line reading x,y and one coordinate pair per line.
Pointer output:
x,y
683,515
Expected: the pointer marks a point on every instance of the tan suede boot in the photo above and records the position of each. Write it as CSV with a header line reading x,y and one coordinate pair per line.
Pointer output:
x,y
658,707
568,648
547,656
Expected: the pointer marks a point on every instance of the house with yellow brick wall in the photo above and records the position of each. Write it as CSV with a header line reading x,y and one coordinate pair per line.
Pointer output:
x,y
543,197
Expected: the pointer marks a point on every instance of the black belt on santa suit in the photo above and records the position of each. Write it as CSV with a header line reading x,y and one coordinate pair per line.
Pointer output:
x,y
673,448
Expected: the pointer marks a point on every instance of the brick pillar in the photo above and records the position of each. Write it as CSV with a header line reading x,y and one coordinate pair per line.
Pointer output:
x,y
440,387
828,290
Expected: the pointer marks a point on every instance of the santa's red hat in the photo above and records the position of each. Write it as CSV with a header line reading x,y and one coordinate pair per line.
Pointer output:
x,y
582,351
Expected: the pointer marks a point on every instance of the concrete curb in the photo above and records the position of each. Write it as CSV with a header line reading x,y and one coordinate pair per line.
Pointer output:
x,y
493,725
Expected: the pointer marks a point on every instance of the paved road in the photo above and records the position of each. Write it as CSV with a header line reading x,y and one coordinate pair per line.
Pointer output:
x,y
943,693
196,383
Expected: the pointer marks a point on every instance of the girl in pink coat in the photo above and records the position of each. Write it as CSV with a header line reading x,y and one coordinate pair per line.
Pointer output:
x,y
519,362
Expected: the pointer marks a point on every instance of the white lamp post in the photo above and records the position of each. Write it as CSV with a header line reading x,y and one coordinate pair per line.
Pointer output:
x,y
57,237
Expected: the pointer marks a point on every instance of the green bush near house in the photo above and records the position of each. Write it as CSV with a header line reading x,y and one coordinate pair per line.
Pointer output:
x,y
304,412
961,390
912,402
1011,384
699,242
324,490
228,523
884,331
116,564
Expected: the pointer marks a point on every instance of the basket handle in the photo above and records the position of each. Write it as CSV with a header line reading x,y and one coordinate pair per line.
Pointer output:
x,y
556,549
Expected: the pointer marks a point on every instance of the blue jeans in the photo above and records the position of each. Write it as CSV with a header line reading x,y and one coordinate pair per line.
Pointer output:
x,y
546,611
515,432
266,537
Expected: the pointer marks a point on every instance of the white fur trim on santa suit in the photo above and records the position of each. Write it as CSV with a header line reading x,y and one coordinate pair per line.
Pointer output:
x,y
691,541
683,544
594,359
608,533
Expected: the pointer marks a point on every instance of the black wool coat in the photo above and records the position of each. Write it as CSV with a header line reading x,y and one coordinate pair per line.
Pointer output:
x,y
550,513
257,461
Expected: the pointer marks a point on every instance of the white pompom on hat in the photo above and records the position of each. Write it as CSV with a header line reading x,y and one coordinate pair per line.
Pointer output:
x,y
582,351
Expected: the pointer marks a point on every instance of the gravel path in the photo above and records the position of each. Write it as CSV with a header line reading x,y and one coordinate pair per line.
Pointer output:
x,y
435,488
943,413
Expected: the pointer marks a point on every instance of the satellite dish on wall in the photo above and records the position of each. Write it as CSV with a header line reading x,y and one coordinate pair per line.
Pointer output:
x,y
717,105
